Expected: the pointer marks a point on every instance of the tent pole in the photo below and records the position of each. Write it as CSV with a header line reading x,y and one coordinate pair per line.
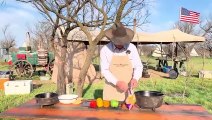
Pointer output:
x,y
172,54
161,52
176,50
137,48
203,64
183,50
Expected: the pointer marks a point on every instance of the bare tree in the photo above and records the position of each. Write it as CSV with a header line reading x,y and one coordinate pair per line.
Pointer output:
x,y
207,33
8,41
41,32
185,27
2,2
86,15
147,49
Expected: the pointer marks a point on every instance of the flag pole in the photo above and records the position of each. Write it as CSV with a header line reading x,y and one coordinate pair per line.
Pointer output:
x,y
179,15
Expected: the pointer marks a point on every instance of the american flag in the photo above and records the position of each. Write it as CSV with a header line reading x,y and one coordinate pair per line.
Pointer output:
x,y
189,16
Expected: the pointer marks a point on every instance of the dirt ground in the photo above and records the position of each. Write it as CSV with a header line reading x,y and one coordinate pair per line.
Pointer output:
x,y
156,74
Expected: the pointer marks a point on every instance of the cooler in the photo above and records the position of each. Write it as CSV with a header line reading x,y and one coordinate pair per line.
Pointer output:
x,y
18,87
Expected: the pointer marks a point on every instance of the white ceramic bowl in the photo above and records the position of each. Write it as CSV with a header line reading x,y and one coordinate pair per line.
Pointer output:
x,y
68,98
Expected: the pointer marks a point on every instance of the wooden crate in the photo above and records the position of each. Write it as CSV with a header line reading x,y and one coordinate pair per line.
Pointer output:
x,y
205,74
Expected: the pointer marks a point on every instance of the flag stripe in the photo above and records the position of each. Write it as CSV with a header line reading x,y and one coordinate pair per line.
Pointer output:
x,y
189,16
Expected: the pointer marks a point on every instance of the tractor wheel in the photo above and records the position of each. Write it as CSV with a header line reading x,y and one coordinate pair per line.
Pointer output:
x,y
23,68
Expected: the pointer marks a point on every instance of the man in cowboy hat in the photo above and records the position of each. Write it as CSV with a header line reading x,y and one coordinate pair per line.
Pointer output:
x,y
120,63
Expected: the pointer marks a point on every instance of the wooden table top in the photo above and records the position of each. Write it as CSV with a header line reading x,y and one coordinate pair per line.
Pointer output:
x,y
167,59
30,110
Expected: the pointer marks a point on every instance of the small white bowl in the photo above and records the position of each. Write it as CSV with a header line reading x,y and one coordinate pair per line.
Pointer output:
x,y
68,98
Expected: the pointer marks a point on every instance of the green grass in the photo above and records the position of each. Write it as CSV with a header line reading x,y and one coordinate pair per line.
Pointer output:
x,y
3,66
9,101
197,63
198,91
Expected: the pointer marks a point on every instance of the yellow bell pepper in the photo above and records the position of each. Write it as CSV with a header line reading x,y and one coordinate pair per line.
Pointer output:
x,y
99,102
131,99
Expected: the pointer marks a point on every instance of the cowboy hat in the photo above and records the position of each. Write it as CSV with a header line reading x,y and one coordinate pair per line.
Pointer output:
x,y
119,34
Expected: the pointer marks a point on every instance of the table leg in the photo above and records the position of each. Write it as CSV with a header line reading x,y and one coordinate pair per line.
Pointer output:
x,y
159,63
175,65
165,63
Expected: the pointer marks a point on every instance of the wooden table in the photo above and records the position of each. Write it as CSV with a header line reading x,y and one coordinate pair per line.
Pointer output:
x,y
181,64
162,62
31,110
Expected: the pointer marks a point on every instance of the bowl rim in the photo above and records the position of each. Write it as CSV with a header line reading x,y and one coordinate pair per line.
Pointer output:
x,y
75,97
158,93
41,98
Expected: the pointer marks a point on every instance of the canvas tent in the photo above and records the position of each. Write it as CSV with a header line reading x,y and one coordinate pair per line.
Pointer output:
x,y
164,37
168,36
158,52
27,40
24,44
193,53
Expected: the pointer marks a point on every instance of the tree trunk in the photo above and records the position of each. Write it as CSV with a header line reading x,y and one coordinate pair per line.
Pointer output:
x,y
61,85
210,53
84,70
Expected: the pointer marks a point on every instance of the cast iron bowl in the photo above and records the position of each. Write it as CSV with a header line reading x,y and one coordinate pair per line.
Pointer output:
x,y
149,99
48,98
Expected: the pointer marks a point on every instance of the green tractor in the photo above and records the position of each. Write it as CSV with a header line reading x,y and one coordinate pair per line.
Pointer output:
x,y
25,62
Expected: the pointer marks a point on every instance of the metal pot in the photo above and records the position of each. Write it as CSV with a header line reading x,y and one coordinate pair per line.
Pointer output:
x,y
149,99
49,98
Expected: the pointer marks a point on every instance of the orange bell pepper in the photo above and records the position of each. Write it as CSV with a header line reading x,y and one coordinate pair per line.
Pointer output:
x,y
106,103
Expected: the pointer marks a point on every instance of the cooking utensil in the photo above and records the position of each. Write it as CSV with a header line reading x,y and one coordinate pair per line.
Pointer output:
x,y
149,99
48,98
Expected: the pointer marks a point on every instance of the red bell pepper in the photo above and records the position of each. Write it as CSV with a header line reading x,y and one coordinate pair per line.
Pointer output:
x,y
93,104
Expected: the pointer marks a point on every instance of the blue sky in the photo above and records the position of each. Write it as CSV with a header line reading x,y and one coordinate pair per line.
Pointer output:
x,y
164,13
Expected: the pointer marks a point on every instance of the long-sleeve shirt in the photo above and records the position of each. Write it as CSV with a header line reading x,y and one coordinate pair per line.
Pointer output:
x,y
106,55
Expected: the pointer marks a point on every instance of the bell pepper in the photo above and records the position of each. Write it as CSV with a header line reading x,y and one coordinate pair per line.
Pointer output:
x,y
93,104
130,101
106,103
99,102
114,103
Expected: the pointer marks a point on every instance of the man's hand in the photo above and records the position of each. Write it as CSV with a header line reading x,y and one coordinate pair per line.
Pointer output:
x,y
122,86
133,83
